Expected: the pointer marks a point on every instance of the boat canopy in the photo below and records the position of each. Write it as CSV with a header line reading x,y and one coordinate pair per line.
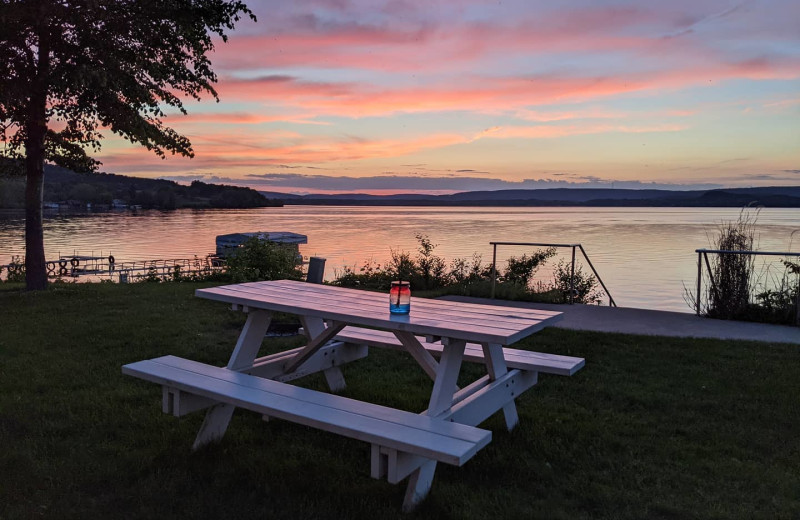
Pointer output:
x,y
225,243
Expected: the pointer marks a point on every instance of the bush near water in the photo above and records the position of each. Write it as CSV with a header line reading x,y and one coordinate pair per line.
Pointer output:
x,y
737,289
433,275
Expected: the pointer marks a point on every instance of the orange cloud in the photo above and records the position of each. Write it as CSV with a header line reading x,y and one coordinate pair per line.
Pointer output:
x,y
215,150
240,118
486,94
545,132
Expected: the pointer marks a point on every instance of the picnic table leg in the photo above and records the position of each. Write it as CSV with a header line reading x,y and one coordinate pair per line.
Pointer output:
x,y
496,366
219,416
334,377
444,387
418,352
419,484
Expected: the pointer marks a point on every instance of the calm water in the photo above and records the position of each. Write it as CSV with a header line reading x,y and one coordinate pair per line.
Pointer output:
x,y
644,255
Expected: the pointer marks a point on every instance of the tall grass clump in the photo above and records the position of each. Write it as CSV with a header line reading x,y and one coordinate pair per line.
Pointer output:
x,y
737,289
733,274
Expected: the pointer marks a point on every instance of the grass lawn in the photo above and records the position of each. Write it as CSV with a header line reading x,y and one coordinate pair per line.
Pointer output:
x,y
650,428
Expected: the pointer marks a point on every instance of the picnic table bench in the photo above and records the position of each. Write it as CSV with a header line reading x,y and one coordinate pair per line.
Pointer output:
x,y
437,334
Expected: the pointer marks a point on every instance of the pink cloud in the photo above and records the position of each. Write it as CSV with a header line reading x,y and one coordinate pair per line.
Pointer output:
x,y
240,118
216,151
485,94
545,131
427,46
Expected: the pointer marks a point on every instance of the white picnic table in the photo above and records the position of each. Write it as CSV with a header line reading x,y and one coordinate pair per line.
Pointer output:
x,y
341,324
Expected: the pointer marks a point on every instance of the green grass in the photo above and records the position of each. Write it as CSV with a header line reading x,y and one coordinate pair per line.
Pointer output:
x,y
650,428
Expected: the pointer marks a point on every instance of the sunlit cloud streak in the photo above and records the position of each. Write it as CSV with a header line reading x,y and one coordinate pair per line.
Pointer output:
x,y
486,94
369,86
218,150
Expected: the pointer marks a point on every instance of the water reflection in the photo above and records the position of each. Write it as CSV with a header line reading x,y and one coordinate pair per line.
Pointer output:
x,y
644,255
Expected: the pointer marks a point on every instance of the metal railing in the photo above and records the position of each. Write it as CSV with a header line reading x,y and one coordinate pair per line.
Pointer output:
x,y
574,247
702,256
74,266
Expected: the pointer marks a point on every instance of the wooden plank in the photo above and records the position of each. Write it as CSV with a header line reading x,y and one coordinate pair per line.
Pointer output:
x,y
294,392
342,292
419,485
496,366
501,321
446,377
418,352
483,404
339,294
215,423
313,346
299,297
471,389
378,462
445,441
400,465
179,403
522,359
250,340
334,378
218,417
416,322
364,301
330,356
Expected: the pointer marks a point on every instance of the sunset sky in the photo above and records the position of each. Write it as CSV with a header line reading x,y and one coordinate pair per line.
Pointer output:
x,y
443,96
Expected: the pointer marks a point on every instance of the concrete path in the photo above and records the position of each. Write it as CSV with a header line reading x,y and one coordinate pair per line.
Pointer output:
x,y
654,323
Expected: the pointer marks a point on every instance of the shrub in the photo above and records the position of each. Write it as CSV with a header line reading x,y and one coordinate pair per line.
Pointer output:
x,y
521,270
469,277
432,268
369,276
582,285
735,290
261,260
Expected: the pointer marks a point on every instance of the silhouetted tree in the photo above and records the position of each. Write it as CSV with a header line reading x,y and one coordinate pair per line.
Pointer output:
x,y
70,67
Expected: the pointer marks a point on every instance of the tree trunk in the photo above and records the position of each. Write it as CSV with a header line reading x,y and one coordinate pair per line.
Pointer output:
x,y
35,268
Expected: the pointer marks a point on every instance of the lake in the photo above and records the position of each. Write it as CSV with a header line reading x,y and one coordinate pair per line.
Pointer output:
x,y
644,255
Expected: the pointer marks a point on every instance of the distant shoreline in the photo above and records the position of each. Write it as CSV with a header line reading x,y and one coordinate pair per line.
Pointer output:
x,y
770,196
540,204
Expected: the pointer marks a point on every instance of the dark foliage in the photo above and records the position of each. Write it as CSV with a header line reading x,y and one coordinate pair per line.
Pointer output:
x,y
71,67
469,277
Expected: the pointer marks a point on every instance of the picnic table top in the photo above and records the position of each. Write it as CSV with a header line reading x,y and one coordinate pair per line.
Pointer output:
x,y
454,320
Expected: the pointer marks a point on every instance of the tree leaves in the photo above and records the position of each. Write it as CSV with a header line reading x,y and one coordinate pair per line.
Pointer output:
x,y
116,64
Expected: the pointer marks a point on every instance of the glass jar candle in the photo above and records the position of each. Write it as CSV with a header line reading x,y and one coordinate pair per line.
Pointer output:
x,y
400,298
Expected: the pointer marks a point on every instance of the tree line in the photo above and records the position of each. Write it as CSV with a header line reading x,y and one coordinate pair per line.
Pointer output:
x,y
103,189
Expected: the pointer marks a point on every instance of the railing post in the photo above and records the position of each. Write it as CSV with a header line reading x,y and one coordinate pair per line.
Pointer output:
x,y
572,279
494,268
699,280
797,302
611,302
